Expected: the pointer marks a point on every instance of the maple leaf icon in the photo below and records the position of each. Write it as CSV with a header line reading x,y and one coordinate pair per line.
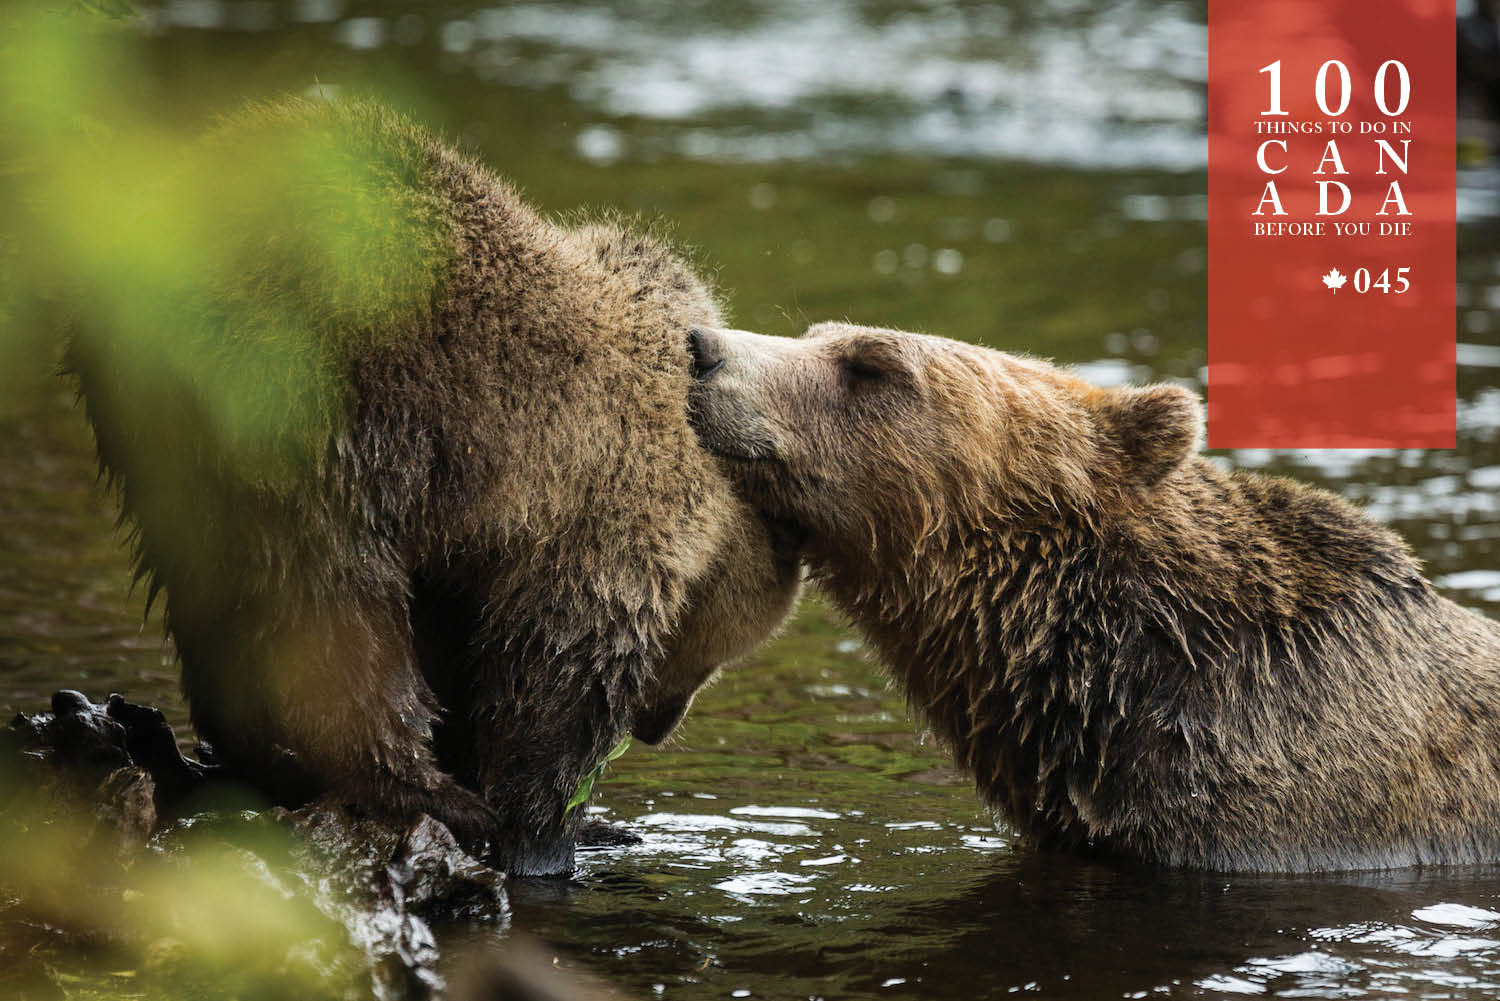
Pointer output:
x,y
1335,279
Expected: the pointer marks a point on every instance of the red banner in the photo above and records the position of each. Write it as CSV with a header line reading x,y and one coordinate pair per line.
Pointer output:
x,y
1331,223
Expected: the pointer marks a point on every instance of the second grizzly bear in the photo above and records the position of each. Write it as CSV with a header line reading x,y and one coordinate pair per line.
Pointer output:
x,y
1131,650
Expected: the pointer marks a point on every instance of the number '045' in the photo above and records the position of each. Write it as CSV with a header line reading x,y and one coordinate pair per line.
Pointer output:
x,y
1336,68
1363,281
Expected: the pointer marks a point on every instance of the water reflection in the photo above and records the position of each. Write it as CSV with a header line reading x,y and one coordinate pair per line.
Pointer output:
x,y
1007,921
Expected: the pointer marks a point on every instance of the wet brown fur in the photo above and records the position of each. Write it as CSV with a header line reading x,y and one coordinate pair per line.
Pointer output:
x,y
1133,651
482,555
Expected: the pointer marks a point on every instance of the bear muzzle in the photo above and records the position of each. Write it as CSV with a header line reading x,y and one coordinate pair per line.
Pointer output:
x,y
723,405
706,351
655,724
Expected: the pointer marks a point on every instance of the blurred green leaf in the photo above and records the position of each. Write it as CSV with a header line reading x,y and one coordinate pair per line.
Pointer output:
x,y
586,784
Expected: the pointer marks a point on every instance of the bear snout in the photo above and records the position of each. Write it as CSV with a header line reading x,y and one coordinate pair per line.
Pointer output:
x,y
707,352
734,374
654,724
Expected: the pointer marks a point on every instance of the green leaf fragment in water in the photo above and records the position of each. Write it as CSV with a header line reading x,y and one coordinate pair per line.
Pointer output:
x,y
586,784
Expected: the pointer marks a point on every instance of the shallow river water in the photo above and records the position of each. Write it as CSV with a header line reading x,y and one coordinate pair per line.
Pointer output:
x,y
801,839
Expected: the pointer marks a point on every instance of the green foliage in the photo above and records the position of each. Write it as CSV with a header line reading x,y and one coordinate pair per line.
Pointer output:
x,y
235,276
586,784
211,911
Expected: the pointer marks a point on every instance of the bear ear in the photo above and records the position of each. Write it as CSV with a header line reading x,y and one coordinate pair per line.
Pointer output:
x,y
1155,429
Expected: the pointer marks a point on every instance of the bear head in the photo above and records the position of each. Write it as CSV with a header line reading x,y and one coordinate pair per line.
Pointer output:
x,y
864,437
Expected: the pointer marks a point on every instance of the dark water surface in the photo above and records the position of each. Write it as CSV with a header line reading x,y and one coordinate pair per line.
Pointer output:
x,y
875,163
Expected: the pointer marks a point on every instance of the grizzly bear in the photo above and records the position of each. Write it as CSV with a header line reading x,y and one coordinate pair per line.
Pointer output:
x,y
1131,650
412,468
